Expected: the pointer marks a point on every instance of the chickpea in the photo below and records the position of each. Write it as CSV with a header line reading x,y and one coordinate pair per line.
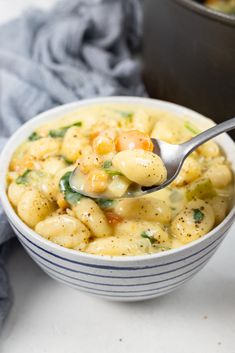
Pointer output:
x,y
97,181
89,162
103,144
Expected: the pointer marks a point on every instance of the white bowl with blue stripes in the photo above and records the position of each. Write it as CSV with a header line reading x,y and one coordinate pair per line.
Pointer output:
x,y
115,278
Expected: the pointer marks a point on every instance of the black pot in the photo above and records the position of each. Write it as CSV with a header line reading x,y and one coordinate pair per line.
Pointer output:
x,y
189,56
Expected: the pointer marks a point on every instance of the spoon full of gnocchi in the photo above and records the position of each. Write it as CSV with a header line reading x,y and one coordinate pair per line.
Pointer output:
x,y
134,164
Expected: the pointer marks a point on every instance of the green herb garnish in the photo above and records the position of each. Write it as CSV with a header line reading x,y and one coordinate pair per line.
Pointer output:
x,y
23,179
191,128
34,136
59,133
71,196
198,215
105,203
147,234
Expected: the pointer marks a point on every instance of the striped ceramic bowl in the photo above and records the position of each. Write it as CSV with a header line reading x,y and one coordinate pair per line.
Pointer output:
x,y
119,278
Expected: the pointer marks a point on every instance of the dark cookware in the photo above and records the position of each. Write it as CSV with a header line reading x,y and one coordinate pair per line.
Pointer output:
x,y
189,56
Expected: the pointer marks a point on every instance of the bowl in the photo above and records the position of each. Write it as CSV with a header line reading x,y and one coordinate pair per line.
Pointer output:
x,y
189,55
129,278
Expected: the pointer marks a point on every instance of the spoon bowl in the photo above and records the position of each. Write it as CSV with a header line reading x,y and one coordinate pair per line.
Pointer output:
x,y
173,157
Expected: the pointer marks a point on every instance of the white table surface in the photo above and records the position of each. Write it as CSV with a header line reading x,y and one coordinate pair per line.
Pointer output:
x,y
50,318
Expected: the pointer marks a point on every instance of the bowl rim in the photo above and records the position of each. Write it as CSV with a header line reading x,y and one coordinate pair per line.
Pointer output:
x,y
59,111
207,12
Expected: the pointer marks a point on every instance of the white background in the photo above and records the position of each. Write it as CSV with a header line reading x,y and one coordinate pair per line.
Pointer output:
x,y
50,318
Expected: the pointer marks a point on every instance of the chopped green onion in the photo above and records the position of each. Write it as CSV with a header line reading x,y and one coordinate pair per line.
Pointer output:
x,y
23,179
198,215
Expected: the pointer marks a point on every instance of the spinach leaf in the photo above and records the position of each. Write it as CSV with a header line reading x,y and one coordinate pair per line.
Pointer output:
x,y
71,196
105,203
107,165
59,133
34,136
23,179
113,172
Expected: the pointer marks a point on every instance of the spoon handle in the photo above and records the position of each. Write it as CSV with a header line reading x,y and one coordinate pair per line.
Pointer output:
x,y
198,140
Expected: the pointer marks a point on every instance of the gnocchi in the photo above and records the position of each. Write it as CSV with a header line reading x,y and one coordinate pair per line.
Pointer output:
x,y
111,145
64,230
141,167
196,219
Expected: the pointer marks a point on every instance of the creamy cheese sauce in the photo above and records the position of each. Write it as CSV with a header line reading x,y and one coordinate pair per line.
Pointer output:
x,y
92,138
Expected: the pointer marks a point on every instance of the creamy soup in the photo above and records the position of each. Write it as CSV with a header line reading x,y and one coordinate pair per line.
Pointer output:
x,y
106,142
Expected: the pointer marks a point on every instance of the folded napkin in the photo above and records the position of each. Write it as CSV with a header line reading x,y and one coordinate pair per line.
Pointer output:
x,y
80,49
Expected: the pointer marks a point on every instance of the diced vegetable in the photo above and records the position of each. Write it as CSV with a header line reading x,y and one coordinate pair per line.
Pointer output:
x,y
133,140
200,189
113,218
103,144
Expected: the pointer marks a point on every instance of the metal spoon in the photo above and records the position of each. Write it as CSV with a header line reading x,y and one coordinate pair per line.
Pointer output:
x,y
173,156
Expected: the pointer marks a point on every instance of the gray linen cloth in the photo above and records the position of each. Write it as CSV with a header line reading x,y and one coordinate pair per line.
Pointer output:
x,y
79,49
